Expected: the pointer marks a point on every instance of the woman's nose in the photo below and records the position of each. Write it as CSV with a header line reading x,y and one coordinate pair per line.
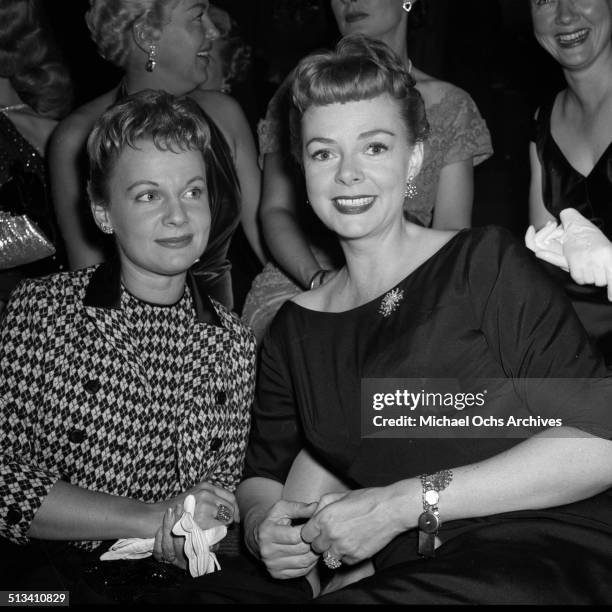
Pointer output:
x,y
348,171
566,11
175,212
210,29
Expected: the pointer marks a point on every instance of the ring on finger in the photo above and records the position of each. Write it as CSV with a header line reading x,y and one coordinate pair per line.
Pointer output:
x,y
224,514
332,562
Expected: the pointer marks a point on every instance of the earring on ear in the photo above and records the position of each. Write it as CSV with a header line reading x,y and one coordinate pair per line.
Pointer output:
x,y
151,58
407,6
411,190
107,229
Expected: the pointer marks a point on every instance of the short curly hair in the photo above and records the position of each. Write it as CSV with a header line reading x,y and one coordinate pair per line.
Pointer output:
x,y
172,124
30,60
110,23
359,68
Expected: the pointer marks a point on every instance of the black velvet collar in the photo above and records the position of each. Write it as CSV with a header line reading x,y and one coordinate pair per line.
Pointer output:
x,y
104,291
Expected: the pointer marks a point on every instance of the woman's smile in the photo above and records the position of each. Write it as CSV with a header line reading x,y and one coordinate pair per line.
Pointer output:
x,y
354,205
572,39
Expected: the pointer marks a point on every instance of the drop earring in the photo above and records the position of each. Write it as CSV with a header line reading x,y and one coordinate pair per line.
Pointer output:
x,y
151,59
407,6
411,190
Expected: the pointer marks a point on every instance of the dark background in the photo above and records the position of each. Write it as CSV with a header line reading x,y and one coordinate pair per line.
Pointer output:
x,y
484,46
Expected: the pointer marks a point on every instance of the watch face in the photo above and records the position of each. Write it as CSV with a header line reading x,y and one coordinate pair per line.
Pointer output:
x,y
429,522
432,497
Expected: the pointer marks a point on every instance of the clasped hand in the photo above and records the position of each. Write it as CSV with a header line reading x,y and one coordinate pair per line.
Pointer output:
x,y
352,525
577,246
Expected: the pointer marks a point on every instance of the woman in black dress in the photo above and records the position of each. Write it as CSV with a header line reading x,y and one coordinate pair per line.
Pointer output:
x,y
570,157
519,516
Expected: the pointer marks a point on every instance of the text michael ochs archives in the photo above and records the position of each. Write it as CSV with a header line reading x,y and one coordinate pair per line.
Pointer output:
x,y
449,408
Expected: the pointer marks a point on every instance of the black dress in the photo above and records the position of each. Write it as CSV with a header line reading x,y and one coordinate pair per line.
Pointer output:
x,y
479,308
564,187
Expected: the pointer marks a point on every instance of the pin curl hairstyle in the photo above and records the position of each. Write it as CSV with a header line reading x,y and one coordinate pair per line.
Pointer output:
x,y
110,24
359,68
170,123
30,60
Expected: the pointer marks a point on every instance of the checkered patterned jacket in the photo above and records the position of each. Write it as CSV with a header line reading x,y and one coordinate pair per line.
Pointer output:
x,y
75,403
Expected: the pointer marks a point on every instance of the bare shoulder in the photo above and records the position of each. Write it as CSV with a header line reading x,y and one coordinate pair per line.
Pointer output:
x,y
72,132
222,108
226,113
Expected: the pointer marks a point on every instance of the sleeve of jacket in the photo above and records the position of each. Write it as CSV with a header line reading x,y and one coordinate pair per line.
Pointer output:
x,y
23,484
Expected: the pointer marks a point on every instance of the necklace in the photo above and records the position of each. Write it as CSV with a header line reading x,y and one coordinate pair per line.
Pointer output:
x,y
12,107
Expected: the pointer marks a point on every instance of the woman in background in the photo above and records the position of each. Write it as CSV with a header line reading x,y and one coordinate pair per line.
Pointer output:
x,y
35,91
570,157
440,196
163,46
230,56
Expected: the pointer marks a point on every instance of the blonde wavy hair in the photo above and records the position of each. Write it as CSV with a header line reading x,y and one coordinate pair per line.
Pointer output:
x,y
110,23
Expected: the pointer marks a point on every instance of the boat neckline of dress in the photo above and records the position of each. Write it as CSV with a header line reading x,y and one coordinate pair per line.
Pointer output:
x,y
397,285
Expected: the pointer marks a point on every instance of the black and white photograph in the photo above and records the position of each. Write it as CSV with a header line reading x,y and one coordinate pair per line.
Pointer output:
x,y
305,302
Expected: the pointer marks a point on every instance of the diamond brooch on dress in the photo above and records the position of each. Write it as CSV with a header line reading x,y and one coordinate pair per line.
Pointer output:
x,y
391,301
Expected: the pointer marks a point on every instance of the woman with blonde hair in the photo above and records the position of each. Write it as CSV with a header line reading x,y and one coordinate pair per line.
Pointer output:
x,y
136,385
366,460
163,46
441,196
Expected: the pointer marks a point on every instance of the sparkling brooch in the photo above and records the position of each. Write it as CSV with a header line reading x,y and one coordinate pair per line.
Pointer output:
x,y
391,301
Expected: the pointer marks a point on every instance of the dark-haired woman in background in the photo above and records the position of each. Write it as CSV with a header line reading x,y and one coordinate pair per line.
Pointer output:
x,y
35,91
474,516
230,56
163,46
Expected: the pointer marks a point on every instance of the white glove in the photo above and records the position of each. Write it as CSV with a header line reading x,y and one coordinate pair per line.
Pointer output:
x,y
547,244
587,250
197,543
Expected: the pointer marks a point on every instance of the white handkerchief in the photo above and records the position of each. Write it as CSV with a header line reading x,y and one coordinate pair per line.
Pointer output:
x,y
197,543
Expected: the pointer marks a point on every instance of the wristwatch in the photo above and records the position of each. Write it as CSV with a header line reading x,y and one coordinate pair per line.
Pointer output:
x,y
429,520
